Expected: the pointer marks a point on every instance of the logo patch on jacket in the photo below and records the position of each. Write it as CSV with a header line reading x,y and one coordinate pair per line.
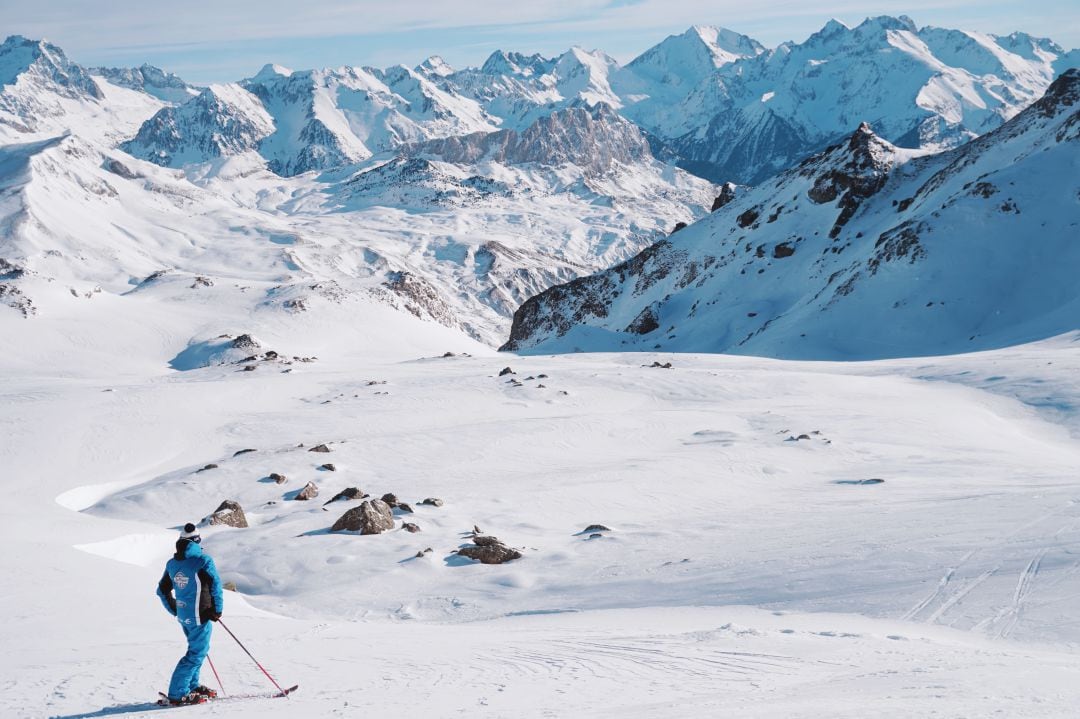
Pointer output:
x,y
180,580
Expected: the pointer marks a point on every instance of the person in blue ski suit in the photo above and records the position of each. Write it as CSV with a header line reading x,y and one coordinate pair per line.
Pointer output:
x,y
190,589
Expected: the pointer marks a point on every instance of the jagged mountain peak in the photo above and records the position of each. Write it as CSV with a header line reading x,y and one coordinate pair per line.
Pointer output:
x,y
45,63
593,138
221,120
724,42
501,62
271,71
887,22
150,79
435,66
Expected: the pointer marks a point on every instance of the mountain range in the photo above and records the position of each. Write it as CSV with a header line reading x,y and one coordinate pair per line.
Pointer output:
x,y
866,250
458,195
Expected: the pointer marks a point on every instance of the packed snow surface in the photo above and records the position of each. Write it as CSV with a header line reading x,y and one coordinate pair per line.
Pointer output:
x,y
753,562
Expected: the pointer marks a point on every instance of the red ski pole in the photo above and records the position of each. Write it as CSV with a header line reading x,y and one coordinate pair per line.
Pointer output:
x,y
260,666
214,669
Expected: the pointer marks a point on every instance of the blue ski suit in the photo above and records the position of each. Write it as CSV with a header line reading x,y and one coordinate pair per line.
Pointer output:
x,y
192,577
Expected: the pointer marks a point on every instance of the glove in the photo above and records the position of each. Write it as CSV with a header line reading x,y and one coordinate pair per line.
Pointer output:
x,y
213,616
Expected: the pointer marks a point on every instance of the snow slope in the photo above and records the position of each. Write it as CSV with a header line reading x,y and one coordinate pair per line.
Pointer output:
x,y
743,569
864,251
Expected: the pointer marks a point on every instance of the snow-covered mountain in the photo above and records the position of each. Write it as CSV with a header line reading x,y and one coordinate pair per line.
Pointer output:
x,y
718,102
920,88
471,189
223,120
866,250
163,85
594,139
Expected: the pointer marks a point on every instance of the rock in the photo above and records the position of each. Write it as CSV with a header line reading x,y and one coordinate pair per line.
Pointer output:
x,y
328,467
494,553
486,541
347,493
782,250
229,586
243,451
371,517
678,226
310,491
278,478
447,354
319,448
505,371
245,342
727,194
596,528
432,502
209,466
390,499
228,513
270,355
429,550
250,368
404,507
410,527
476,529
595,535
666,365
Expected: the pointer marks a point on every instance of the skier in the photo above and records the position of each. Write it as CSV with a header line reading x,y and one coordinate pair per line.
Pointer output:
x,y
198,600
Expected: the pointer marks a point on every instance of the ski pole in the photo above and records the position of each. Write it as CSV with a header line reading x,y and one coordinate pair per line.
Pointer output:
x,y
260,666
214,669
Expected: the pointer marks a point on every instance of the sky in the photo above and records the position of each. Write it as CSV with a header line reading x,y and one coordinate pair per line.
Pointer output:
x,y
223,40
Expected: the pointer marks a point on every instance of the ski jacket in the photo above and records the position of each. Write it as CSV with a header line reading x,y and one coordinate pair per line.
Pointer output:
x,y
192,577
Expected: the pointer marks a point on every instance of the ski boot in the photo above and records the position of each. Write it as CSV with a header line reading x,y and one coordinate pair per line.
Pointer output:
x,y
187,699
204,691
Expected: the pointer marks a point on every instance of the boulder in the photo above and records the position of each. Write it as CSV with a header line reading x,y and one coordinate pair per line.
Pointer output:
x,y
491,551
209,466
319,448
328,467
371,517
506,371
390,499
229,513
347,493
310,491
404,507
278,478
410,527
243,451
596,528
432,502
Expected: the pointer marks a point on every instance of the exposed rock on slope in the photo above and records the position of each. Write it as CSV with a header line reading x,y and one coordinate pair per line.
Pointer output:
x,y
594,139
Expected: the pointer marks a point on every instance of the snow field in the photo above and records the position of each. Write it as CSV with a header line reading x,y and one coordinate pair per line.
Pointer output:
x,y
802,596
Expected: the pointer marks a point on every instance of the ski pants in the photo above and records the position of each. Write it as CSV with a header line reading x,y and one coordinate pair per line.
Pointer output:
x,y
186,675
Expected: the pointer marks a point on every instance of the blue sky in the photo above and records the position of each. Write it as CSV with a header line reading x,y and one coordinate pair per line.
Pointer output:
x,y
222,40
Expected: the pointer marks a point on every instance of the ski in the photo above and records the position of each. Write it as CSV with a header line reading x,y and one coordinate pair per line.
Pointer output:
x,y
164,700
